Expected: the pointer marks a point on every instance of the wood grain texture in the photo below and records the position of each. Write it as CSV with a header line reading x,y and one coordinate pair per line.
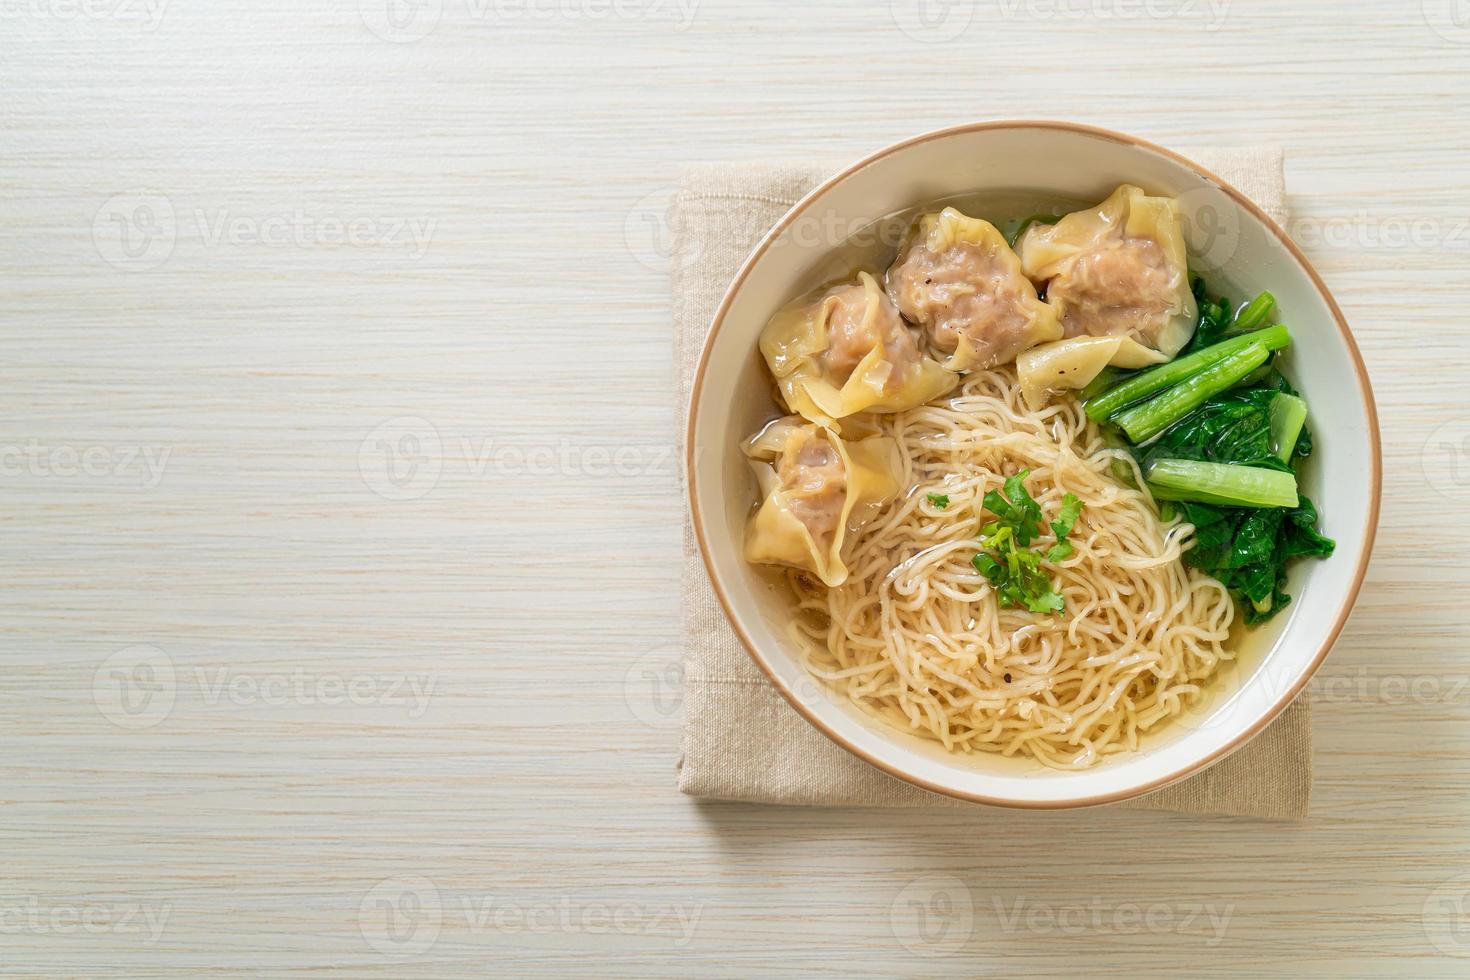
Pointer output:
x,y
369,670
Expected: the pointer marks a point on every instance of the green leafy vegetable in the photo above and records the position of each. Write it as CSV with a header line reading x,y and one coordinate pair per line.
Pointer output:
x,y
1233,427
1145,421
1145,383
1107,378
939,500
1012,568
1227,484
1248,550
1214,319
1287,414
1255,427
1253,315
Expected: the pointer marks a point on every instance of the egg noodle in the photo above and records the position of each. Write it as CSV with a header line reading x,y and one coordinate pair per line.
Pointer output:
x,y
915,635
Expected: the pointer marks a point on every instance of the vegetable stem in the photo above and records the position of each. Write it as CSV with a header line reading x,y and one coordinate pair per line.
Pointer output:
x,y
1143,422
1224,484
1105,380
1253,314
1288,414
1142,385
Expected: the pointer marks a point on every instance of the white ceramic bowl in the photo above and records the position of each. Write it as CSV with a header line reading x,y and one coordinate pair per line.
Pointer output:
x,y
1238,248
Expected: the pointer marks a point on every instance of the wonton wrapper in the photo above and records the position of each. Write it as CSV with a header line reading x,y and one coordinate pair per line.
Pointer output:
x,y
816,490
958,279
1072,363
1119,269
844,350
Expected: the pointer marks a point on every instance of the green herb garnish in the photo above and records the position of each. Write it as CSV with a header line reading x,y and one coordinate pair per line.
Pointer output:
x,y
940,500
1007,561
1062,526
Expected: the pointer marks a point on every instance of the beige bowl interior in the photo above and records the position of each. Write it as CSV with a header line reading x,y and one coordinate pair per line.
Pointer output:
x,y
1235,248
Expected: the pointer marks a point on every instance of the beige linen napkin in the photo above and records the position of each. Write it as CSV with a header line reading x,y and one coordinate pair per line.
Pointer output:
x,y
741,740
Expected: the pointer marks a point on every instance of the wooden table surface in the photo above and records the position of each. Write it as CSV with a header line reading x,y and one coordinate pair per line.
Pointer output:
x,y
340,522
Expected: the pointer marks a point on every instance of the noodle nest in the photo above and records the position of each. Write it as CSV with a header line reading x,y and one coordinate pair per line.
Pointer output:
x,y
916,637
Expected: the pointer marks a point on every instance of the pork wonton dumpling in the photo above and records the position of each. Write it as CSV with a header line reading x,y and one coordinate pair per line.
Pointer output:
x,y
817,489
958,279
1074,362
844,349
1119,269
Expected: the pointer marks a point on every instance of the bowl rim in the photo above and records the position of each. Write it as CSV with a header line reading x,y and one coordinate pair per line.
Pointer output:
x,y
1365,393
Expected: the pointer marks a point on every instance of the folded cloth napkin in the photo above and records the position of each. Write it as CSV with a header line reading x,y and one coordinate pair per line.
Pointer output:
x,y
741,740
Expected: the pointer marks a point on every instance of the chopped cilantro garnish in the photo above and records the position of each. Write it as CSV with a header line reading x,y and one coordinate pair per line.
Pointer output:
x,y
1062,526
940,500
1015,571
